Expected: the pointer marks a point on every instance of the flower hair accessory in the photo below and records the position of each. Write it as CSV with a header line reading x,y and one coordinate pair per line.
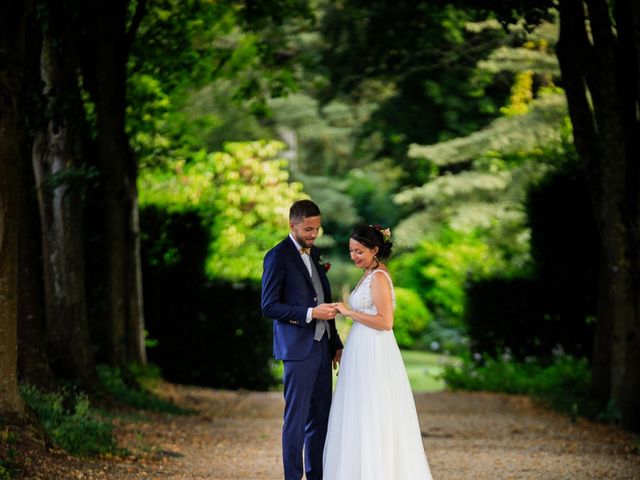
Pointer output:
x,y
386,232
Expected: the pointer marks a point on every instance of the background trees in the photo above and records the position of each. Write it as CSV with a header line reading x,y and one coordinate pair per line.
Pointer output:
x,y
602,105
605,132
461,126
72,281
596,44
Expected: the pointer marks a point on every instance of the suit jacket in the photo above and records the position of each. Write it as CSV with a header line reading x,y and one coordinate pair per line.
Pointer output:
x,y
287,294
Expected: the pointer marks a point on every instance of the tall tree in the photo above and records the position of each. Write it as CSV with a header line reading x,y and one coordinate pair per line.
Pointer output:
x,y
58,166
14,17
599,53
106,43
176,47
33,361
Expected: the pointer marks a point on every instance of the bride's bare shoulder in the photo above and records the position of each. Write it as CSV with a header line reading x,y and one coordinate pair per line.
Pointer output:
x,y
382,268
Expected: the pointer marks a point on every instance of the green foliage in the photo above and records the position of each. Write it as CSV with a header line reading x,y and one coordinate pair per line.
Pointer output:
x,y
530,50
200,71
410,317
242,191
8,455
74,177
484,176
187,45
209,117
495,375
323,138
372,190
149,120
338,211
439,268
555,303
611,413
69,420
542,126
486,199
472,224
564,384
5,471
424,370
221,339
130,388
173,40
425,55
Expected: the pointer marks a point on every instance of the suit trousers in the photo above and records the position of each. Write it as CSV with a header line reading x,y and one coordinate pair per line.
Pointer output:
x,y
307,395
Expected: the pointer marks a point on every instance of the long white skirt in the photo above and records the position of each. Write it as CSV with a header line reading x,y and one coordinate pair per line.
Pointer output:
x,y
373,432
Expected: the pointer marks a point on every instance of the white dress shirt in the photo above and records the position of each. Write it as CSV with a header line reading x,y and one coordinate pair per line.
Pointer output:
x,y
307,261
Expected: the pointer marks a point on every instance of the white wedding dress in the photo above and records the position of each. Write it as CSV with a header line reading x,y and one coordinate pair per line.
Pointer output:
x,y
373,429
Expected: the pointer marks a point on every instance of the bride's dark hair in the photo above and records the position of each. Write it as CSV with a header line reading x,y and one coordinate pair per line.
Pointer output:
x,y
371,237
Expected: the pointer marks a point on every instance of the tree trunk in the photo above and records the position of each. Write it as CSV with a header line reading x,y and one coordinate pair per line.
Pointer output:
x,y
603,102
9,160
603,341
121,317
57,155
13,32
137,351
33,364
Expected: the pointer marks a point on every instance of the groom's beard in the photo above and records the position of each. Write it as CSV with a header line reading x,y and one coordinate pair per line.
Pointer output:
x,y
304,243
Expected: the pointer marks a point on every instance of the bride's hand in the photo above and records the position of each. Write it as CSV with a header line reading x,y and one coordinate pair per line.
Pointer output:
x,y
342,308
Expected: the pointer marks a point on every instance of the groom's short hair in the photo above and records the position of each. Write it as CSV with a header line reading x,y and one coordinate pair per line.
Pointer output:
x,y
301,209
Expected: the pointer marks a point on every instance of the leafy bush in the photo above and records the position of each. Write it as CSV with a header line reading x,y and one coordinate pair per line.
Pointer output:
x,y
442,338
242,196
128,388
563,384
438,270
209,333
494,375
506,313
206,222
556,305
410,318
5,472
8,454
75,428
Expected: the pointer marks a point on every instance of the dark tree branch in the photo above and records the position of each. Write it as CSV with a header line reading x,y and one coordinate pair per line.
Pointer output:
x,y
575,54
141,10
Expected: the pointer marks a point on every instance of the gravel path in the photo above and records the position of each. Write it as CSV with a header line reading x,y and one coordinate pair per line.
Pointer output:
x,y
475,436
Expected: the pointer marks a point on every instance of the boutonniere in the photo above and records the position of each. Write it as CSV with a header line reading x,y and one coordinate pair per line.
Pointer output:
x,y
325,265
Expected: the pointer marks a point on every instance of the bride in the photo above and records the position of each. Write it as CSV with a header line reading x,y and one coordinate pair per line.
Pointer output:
x,y
373,429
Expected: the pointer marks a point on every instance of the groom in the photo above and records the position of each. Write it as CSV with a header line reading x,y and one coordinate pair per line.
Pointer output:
x,y
296,295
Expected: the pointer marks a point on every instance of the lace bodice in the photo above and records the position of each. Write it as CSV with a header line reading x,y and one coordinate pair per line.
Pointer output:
x,y
361,299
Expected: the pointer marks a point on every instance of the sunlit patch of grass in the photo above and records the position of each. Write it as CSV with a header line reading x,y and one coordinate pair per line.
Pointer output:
x,y
425,369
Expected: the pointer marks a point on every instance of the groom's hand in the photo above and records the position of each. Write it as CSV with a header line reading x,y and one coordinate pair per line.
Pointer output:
x,y
324,311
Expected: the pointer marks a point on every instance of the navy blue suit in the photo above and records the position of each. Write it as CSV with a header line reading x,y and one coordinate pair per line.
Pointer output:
x,y
287,294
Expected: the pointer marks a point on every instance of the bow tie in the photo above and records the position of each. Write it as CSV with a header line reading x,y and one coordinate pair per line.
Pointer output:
x,y
304,250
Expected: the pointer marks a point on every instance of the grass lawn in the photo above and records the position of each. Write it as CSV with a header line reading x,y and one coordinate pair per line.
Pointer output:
x,y
424,369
